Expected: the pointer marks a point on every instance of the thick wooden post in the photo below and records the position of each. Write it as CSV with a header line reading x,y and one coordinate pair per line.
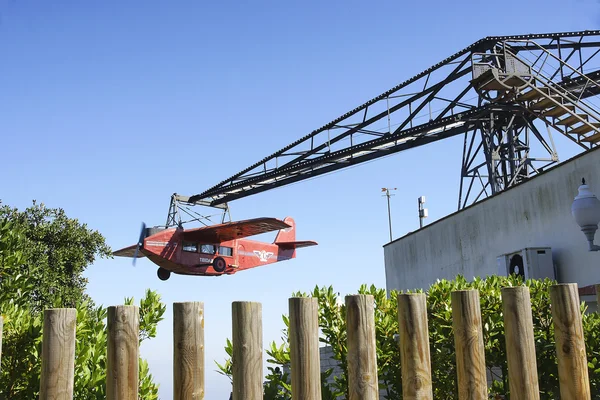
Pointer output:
x,y
468,339
188,351
520,345
247,345
363,382
58,354
304,348
570,345
122,363
414,347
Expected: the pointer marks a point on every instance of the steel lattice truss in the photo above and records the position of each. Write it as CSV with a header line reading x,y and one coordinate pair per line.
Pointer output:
x,y
506,140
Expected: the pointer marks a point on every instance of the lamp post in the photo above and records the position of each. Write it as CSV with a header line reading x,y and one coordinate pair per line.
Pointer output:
x,y
586,212
387,193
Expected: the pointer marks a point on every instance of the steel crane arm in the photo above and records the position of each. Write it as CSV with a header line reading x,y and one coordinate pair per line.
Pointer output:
x,y
358,126
438,92
375,148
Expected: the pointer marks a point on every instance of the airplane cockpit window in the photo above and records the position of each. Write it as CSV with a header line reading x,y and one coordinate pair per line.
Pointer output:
x,y
207,249
190,247
225,251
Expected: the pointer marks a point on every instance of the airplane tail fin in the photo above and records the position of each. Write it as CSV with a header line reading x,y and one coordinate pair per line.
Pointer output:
x,y
286,238
286,234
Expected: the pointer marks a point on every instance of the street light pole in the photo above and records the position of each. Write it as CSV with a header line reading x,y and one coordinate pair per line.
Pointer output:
x,y
387,194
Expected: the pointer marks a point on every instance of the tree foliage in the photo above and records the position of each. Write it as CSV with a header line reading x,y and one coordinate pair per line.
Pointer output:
x,y
332,324
59,249
22,299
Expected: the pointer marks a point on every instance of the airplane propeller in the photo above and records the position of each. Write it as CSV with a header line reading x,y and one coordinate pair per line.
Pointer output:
x,y
140,242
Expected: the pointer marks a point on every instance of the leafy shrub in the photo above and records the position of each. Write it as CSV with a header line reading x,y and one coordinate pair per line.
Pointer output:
x,y
22,349
439,310
23,321
59,249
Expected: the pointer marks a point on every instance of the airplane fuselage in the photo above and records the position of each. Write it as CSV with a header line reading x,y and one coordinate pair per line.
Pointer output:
x,y
169,250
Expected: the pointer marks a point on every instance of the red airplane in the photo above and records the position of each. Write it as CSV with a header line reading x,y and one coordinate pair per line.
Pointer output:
x,y
217,249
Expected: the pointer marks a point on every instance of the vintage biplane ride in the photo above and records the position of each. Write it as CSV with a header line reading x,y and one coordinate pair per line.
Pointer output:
x,y
214,250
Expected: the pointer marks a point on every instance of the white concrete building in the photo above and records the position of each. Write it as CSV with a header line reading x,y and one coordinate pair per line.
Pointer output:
x,y
535,214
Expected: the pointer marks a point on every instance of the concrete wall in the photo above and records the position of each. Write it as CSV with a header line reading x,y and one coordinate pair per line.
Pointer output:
x,y
327,362
534,214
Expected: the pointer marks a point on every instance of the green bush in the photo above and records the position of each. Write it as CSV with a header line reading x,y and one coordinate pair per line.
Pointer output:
x,y
23,320
333,328
59,249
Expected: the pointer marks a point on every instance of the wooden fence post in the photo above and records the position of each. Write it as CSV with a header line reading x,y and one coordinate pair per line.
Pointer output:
x,y
570,344
468,339
304,348
58,354
188,351
520,345
247,342
363,382
414,347
122,361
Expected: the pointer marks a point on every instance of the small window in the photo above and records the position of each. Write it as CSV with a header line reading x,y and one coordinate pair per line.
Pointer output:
x,y
191,247
207,249
226,251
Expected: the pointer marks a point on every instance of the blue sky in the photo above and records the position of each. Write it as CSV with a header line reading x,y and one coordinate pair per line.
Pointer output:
x,y
110,107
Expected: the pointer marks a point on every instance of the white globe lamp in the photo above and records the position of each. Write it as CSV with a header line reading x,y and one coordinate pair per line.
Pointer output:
x,y
586,212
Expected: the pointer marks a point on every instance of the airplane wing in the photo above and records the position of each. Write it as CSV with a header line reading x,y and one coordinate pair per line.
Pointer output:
x,y
234,230
128,252
296,245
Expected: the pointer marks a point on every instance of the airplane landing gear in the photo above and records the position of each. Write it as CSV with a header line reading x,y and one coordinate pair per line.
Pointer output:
x,y
163,274
219,264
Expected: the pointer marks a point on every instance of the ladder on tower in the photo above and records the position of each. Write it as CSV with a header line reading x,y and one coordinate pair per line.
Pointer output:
x,y
560,104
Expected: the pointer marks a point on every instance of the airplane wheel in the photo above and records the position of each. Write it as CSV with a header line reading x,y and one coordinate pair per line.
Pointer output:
x,y
219,264
163,274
